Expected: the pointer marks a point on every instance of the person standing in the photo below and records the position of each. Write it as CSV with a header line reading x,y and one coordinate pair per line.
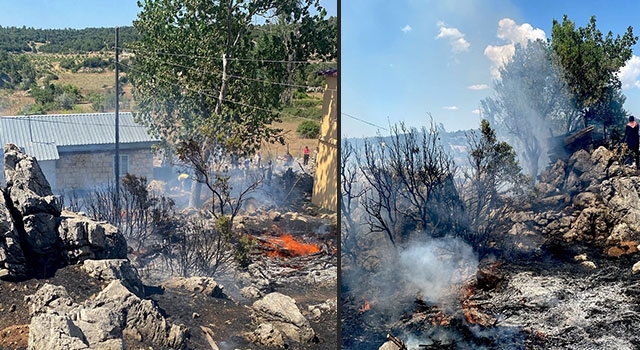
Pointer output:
x,y
288,159
632,138
306,155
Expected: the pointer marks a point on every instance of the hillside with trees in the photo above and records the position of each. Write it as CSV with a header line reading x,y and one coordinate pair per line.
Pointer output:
x,y
20,40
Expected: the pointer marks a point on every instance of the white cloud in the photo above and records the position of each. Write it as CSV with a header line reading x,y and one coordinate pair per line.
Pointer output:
x,y
452,33
512,33
630,74
508,30
451,108
476,111
460,45
454,36
478,87
406,29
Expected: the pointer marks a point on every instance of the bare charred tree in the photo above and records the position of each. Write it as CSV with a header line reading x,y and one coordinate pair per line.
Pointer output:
x,y
142,215
215,176
409,185
202,247
381,191
209,247
351,192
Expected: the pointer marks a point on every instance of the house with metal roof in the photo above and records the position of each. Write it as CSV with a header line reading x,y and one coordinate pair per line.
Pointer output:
x,y
77,151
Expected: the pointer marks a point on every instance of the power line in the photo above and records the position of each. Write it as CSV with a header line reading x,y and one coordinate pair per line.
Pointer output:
x,y
216,97
364,121
159,53
235,76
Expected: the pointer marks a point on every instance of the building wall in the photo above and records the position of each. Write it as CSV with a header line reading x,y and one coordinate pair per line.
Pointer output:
x,y
325,185
48,168
87,170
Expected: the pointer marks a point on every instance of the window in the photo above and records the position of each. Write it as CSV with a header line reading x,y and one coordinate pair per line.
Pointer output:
x,y
124,164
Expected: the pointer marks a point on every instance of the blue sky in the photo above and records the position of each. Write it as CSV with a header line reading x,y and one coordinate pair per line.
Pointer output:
x,y
401,60
80,13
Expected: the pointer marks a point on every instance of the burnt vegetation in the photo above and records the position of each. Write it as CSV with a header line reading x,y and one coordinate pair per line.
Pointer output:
x,y
484,253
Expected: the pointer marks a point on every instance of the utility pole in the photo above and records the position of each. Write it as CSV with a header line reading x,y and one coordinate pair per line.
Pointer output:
x,y
117,157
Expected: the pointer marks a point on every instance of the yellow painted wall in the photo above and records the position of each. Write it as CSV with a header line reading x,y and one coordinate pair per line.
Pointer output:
x,y
325,185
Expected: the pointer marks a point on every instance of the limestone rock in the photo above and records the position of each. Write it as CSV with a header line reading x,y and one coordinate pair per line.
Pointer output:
x,y
41,233
203,285
328,306
27,186
116,269
99,323
49,298
84,238
56,332
389,345
283,313
142,317
32,230
268,335
636,268
554,176
251,292
584,200
12,259
580,162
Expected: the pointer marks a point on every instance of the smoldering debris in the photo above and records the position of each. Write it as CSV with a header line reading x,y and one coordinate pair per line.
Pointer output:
x,y
435,266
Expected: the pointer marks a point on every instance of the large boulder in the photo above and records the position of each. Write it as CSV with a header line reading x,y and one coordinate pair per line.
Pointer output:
x,y
100,323
12,261
27,186
84,238
282,312
203,285
115,269
35,231
56,332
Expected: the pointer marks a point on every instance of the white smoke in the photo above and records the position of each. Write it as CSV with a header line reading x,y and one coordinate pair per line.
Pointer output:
x,y
434,267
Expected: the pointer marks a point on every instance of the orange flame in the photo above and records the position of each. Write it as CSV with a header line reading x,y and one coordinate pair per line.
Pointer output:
x,y
365,306
286,245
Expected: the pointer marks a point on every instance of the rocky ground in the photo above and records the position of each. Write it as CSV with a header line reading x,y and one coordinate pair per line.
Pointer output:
x,y
67,282
568,281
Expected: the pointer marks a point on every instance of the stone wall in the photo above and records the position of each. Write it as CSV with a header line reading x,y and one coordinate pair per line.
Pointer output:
x,y
86,170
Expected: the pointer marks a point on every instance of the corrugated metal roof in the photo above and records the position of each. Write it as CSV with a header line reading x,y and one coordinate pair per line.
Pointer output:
x,y
40,135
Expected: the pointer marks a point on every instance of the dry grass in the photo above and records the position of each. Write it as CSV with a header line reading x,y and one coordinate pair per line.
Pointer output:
x,y
13,103
292,141
97,82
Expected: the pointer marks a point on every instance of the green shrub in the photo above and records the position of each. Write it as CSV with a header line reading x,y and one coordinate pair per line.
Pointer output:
x,y
308,129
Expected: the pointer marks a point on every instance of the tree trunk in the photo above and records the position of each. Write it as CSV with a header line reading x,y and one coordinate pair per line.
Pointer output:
x,y
196,191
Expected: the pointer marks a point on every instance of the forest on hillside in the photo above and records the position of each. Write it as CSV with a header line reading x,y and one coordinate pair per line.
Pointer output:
x,y
61,68
19,40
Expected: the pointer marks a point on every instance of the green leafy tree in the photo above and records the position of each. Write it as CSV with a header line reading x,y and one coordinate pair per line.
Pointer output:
x,y
186,76
590,63
16,71
303,35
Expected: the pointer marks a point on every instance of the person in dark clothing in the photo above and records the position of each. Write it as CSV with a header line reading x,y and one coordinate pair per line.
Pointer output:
x,y
631,137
